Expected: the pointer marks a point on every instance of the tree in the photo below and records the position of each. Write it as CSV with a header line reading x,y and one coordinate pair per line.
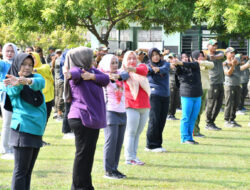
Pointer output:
x,y
46,15
59,38
226,18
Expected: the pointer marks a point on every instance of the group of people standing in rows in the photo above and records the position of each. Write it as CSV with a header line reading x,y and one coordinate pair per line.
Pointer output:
x,y
119,94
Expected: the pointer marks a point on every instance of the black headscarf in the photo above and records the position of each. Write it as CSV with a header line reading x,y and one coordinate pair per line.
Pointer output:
x,y
27,94
16,65
150,53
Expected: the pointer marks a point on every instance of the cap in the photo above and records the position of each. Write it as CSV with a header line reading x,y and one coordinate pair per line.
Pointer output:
x,y
58,51
102,47
212,42
172,55
229,50
238,55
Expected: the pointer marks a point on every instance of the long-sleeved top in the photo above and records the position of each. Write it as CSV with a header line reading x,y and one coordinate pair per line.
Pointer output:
x,y
4,67
29,118
44,70
205,66
159,82
88,103
142,100
115,97
189,79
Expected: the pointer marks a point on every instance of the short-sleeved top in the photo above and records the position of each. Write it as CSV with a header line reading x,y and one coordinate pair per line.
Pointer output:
x,y
244,76
57,69
234,78
216,75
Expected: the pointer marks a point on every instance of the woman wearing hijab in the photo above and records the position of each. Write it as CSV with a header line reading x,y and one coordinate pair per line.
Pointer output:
x,y
9,53
87,112
116,117
137,91
189,81
28,118
158,77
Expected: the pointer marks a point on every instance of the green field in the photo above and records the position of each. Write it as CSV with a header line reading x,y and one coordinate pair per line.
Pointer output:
x,y
220,161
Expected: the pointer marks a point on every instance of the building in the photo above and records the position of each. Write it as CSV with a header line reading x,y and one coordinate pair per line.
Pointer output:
x,y
192,39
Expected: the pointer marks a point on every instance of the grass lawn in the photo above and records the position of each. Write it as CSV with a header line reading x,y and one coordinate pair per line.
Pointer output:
x,y
220,161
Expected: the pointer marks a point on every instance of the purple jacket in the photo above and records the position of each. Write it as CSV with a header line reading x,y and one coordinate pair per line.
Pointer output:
x,y
88,99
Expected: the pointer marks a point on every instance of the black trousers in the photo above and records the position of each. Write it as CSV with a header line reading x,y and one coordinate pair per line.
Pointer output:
x,y
243,95
232,98
25,158
214,102
65,125
157,119
85,142
174,99
49,106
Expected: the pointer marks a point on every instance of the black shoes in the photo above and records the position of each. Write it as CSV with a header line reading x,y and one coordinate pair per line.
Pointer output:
x,y
114,175
190,142
212,127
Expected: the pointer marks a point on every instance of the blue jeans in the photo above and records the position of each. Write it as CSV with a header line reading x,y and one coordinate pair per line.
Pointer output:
x,y
190,110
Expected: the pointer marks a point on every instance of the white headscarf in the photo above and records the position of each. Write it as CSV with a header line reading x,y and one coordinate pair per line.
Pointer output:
x,y
104,64
4,52
135,80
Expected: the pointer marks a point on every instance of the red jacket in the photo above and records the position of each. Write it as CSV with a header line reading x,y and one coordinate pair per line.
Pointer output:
x,y
142,100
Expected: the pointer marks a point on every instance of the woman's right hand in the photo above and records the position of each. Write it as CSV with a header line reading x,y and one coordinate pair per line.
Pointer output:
x,y
11,80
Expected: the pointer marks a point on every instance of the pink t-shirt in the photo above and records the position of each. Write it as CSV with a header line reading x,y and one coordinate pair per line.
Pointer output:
x,y
115,97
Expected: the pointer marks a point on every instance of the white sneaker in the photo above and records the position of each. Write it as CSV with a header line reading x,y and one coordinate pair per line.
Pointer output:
x,y
8,156
69,136
240,112
155,150
159,150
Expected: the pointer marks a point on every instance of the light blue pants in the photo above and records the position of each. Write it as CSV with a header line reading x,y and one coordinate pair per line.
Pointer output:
x,y
190,110
5,134
136,120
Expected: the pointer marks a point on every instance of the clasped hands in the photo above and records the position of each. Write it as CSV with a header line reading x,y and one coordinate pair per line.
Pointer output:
x,y
15,81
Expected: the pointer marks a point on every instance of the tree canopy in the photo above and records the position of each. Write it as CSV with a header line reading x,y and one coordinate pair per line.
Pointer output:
x,y
59,38
226,18
46,15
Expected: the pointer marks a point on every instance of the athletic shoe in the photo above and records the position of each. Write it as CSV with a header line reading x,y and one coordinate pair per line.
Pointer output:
x,y
139,162
190,142
243,109
172,117
212,127
120,174
8,156
199,135
240,112
112,175
130,162
59,118
235,124
160,149
228,124
69,136
134,162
